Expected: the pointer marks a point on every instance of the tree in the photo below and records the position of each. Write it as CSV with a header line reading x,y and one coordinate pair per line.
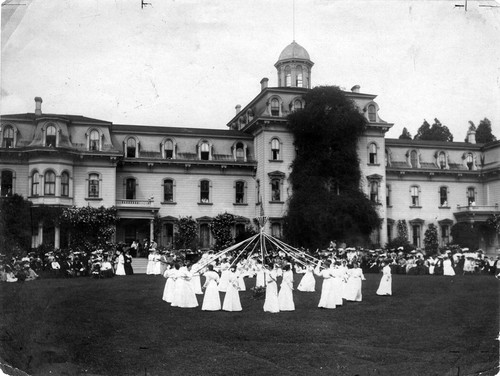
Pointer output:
x,y
431,239
221,227
483,132
326,202
436,132
405,135
15,225
187,232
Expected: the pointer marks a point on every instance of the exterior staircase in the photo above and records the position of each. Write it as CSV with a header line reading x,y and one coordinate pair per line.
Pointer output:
x,y
139,264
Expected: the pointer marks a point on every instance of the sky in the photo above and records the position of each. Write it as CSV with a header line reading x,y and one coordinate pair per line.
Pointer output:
x,y
188,63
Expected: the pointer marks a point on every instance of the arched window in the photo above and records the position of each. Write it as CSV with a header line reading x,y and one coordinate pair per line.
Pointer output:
x,y
239,192
49,181
297,104
204,191
372,113
471,196
240,152
131,147
168,190
205,151
443,196
415,195
298,77
94,140
275,149
469,161
93,186
50,135
8,137
442,160
275,107
288,76
65,184
372,153
35,184
130,188
6,183
414,159
169,149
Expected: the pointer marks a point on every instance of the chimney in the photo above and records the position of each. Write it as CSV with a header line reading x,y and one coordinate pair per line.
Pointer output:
x,y
471,136
238,108
263,83
355,88
38,106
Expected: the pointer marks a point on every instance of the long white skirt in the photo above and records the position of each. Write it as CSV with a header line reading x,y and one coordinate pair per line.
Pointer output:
x,y
211,300
271,304
285,298
328,298
307,283
195,281
385,286
353,292
232,299
168,291
184,296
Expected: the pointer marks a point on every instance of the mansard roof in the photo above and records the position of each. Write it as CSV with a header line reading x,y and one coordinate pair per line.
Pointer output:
x,y
29,116
181,131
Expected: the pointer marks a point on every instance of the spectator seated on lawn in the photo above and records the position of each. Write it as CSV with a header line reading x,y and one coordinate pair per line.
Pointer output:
x,y
107,269
55,267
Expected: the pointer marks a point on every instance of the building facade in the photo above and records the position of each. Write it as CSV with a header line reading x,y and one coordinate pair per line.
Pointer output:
x,y
162,173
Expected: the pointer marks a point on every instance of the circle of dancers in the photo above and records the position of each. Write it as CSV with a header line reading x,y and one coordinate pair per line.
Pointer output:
x,y
340,282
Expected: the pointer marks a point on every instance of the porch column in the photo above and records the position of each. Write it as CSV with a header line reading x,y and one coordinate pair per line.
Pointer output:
x,y
151,231
40,233
57,236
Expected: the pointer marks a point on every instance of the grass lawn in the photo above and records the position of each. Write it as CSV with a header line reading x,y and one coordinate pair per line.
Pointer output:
x,y
430,326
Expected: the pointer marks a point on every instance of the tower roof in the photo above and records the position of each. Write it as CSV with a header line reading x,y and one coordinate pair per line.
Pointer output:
x,y
294,51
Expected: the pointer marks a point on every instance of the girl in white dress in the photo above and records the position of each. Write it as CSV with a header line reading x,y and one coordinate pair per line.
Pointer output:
x,y
385,287
354,283
337,282
285,296
120,267
241,273
327,299
211,300
271,304
151,263
232,299
448,267
168,291
196,280
184,296
260,279
156,263
307,283
224,275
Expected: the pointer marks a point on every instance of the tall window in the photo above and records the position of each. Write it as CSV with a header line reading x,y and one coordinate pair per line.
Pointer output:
x,y
93,185
388,195
372,154
416,235
471,196
442,160
49,180
130,185
443,196
169,234
275,107
35,184
288,76
445,234
374,191
6,184
276,230
131,147
240,152
414,195
276,189
298,78
50,136
65,184
8,137
205,151
94,140
275,149
169,149
372,113
469,160
414,158
168,190
205,191
240,192
297,105
387,160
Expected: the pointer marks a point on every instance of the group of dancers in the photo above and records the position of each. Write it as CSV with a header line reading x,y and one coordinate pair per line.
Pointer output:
x,y
340,282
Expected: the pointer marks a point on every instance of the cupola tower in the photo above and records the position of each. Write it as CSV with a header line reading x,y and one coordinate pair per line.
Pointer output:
x,y
294,67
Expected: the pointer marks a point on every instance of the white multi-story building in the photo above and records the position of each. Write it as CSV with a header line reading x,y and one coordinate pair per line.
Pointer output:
x,y
166,172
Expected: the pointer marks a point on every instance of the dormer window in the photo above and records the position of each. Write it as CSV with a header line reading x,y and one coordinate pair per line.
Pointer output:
x,y
372,113
442,160
131,148
94,140
240,152
169,149
8,137
469,161
414,159
205,151
50,136
275,107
